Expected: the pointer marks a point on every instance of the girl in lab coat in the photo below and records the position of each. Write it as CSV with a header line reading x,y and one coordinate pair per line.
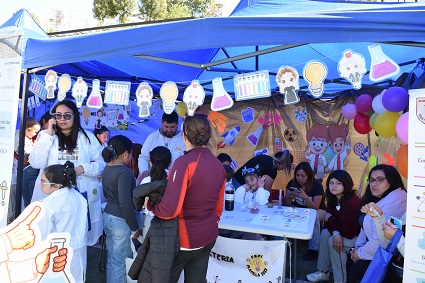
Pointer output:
x,y
66,211
65,140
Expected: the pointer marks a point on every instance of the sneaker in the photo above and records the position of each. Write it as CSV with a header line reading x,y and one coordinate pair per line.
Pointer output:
x,y
310,255
318,276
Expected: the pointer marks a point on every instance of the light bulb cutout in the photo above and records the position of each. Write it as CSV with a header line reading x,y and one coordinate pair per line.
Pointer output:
x,y
95,99
193,97
287,79
79,91
144,95
315,73
382,67
221,99
169,93
352,66
64,84
50,79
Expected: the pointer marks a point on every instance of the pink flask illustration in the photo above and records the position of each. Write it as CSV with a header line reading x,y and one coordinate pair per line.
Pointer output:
x,y
382,67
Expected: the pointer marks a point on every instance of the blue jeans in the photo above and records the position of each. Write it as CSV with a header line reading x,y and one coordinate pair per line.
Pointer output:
x,y
29,176
118,246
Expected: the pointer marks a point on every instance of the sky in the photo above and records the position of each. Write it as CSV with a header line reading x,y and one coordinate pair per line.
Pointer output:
x,y
77,13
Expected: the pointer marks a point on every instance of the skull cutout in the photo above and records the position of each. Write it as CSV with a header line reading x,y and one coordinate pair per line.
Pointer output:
x,y
352,66
144,96
193,96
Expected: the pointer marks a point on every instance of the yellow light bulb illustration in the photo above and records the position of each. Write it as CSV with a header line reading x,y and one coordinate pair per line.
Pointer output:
x,y
169,93
314,73
64,85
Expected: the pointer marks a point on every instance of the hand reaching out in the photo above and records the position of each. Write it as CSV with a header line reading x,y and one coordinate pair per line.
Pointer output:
x,y
262,181
367,209
42,260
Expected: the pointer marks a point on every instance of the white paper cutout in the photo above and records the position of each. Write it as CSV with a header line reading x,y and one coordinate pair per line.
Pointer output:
x,y
117,92
287,79
193,96
252,85
79,91
95,98
221,99
64,85
38,87
144,96
382,67
169,93
352,66
315,73
50,79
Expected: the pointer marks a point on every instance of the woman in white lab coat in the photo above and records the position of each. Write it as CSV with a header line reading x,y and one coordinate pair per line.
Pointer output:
x,y
65,140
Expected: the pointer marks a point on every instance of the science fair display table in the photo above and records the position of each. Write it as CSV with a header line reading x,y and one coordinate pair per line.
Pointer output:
x,y
287,222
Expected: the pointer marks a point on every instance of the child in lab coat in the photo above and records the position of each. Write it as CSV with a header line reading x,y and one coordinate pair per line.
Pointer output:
x,y
66,211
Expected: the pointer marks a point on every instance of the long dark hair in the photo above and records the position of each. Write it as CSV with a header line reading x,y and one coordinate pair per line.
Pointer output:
x,y
347,183
305,166
160,158
100,131
69,143
117,145
393,178
63,175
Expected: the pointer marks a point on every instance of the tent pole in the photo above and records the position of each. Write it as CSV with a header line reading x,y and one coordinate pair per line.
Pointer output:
x,y
257,58
24,109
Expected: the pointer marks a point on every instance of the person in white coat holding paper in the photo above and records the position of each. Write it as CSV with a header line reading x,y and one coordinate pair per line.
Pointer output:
x,y
65,140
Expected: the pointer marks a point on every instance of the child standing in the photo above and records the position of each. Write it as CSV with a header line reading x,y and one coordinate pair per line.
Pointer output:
x,y
253,189
119,216
66,211
341,228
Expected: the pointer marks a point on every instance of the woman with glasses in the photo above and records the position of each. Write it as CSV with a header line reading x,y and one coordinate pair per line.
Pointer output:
x,y
65,140
386,189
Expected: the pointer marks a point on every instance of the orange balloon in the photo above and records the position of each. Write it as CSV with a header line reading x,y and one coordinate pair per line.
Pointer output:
x,y
401,160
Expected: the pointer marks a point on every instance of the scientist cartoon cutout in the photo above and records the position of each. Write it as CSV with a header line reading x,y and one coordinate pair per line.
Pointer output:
x,y
287,79
144,95
24,257
318,141
340,143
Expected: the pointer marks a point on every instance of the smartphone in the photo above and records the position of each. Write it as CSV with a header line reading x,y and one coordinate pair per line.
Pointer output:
x,y
395,223
293,189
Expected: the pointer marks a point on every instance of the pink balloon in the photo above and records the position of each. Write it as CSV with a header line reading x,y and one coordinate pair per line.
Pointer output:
x,y
402,127
361,123
364,103
349,111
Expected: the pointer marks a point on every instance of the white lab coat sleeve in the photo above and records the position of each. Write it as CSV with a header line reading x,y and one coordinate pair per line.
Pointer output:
x,y
96,163
262,196
39,156
144,154
240,194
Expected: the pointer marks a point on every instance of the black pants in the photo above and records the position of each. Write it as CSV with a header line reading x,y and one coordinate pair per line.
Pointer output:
x,y
194,263
357,270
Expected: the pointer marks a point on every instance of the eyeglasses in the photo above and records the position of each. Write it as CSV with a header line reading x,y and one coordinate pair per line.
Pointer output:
x,y
379,180
66,116
48,183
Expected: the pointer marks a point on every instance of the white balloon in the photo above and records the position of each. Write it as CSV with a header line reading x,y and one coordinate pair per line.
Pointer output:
x,y
377,104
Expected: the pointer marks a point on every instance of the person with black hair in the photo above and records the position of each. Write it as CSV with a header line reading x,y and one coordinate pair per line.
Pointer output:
x,y
168,136
66,211
102,135
66,140
119,215
224,158
386,189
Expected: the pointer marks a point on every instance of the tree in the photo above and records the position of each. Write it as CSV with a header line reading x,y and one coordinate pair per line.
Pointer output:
x,y
100,12
121,9
152,10
174,9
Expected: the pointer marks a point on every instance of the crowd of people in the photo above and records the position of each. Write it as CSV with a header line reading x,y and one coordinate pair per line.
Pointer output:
x,y
177,184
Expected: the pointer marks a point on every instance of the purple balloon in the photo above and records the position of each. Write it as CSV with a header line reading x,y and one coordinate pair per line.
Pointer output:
x,y
395,99
349,111
364,103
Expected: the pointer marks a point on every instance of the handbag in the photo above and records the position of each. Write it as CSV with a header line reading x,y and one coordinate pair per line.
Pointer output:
x,y
378,267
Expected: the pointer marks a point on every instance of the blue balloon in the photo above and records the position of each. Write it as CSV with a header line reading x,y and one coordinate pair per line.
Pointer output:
x,y
395,99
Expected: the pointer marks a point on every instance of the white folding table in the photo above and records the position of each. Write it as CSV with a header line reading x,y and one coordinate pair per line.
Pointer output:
x,y
287,222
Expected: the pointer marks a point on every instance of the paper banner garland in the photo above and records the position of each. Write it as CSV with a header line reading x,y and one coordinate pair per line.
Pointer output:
x,y
95,99
64,85
117,92
193,96
287,79
315,73
50,79
79,91
144,96
352,66
169,93
252,85
221,99
38,87
382,67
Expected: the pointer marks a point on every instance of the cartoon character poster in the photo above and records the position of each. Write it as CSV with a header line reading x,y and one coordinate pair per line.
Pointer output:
x,y
318,141
340,144
287,79
144,96
114,117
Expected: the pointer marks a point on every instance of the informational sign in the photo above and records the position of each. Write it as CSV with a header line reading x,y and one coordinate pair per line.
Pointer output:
x,y
10,75
414,257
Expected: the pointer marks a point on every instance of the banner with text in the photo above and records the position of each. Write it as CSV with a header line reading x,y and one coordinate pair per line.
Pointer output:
x,y
246,261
